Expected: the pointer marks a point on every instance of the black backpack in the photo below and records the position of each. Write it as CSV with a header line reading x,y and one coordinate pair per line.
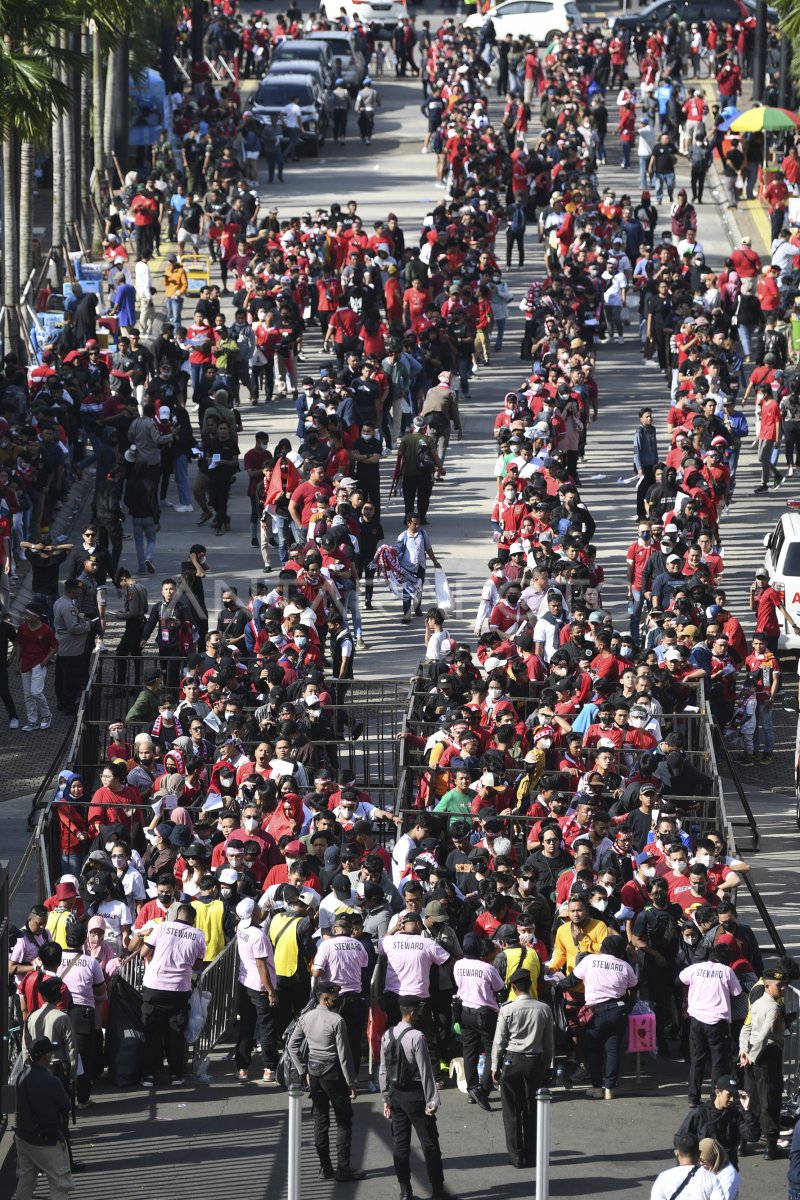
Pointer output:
x,y
425,463
400,1073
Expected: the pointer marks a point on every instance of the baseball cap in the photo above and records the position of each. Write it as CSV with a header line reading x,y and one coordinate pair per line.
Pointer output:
x,y
726,1083
436,911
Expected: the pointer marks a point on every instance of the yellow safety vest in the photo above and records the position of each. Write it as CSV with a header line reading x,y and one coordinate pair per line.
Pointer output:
x,y
526,959
57,925
208,918
285,946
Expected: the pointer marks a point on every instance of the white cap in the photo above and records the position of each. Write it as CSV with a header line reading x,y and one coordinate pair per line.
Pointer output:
x,y
672,655
244,911
674,558
492,664
310,897
487,780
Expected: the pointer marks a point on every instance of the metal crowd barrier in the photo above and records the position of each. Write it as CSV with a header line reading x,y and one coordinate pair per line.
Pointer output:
x,y
6,1089
791,1046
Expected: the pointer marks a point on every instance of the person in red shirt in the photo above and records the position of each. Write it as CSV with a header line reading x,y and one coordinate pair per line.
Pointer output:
x,y
343,329
769,436
415,300
767,291
303,498
36,647
766,604
635,561
776,194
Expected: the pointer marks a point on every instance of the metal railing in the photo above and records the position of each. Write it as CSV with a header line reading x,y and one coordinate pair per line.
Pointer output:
x,y
219,979
6,1089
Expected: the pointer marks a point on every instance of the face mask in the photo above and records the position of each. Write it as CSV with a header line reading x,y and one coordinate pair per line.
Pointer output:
x,y
291,862
647,872
495,692
544,743
250,823
600,905
165,899
168,714
118,860
226,891
705,859
228,603
301,641
680,868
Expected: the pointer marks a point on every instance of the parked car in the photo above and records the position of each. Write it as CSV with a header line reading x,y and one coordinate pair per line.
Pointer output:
x,y
299,50
276,91
349,63
782,560
539,20
383,13
302,66
689,11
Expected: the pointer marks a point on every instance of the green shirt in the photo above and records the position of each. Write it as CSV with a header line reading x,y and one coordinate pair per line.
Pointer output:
x,y
456,802
408,446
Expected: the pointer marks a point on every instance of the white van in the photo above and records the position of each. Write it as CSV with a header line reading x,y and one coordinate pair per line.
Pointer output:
x,y
383,13
782,560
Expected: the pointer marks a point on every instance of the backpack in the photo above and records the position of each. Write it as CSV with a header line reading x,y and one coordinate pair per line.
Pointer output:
x,y
425,463
286,1073
400,1073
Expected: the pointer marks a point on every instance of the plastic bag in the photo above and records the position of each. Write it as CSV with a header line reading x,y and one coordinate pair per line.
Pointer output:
x,y
198,1007
444,599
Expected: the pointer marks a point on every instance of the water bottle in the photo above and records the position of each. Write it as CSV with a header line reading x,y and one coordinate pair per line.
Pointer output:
x,y
481,1064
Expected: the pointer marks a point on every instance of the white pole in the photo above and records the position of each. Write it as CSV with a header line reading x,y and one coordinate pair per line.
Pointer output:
x,y
295,1130
543,1144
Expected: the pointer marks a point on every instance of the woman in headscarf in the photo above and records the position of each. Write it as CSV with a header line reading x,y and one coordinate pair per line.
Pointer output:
x,y
607,977
175,762
714,1159
71,817
105,953
288,816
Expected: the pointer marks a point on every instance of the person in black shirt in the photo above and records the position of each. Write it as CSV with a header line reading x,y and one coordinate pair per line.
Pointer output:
x,y
42,1111
232,620
366,455
370,534
8,635
662,164
45,560
220,474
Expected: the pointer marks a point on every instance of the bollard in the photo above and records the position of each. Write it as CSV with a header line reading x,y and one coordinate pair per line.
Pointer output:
x,y
295,1132
543,1144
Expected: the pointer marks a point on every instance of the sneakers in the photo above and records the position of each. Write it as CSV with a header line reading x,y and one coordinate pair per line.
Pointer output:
x,y
777,483
580,1074
13,723
766,757
608,1093
594,1093
28,728
242,1075
404,620
360,643
761,488
184,508
148,1081
46,723
745,760
268,1076
149,567
177,1081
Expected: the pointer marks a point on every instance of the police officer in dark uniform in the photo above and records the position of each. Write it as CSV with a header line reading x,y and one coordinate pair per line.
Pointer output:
x,y
522,1052
331,1079
410,1100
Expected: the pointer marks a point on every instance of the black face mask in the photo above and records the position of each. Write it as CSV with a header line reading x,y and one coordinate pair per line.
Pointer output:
x,y
165,898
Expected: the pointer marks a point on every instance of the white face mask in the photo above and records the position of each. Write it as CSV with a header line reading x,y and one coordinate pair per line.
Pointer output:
x,y
544,743
680,868
600,905
301,641
290,862
705,859
495,692
250,823
168,714
647,872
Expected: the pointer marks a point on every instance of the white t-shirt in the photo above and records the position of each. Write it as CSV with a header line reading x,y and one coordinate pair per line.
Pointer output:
x,y
433,651
115,914
702,1186
292,115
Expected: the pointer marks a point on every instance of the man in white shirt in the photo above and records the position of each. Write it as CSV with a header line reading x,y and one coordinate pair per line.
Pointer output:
x,y
689,1178
292,118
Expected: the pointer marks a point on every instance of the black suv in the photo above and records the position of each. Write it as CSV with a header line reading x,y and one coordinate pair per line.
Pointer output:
x,y
690,11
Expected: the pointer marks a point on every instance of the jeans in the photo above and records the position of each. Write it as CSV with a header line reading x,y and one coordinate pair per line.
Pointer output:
x,y
293,143
181,467
144,529
197,373
764,722
36,707
254,1007
174,310
350,603
604,1043
500,328
665,181
644,178
636,601
626,154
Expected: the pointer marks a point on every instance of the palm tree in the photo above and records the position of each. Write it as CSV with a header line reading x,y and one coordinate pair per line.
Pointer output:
x,y
31,92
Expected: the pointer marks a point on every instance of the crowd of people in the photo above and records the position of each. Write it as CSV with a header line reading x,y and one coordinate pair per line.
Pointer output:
x,y
558,868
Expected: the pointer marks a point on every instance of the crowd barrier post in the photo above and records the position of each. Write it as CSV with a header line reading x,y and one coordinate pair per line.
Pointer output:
x,y
295,1132
543,1144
